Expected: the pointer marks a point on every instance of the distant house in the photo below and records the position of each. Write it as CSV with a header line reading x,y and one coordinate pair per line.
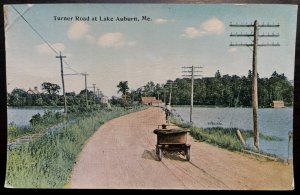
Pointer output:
x,y
157,103
33,91
147,100
151,101
104,100
278,104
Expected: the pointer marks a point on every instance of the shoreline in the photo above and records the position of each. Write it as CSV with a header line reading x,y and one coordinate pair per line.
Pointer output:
x,y
216,106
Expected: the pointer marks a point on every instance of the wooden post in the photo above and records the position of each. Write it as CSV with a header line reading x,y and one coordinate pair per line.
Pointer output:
x,y
290,137
240,136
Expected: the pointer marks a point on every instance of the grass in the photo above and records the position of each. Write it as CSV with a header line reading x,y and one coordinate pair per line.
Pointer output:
x,y
38,124
222,137
225,138
47,162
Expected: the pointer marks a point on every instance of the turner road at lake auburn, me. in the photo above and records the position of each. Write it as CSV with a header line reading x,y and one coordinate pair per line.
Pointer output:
x,y
102,18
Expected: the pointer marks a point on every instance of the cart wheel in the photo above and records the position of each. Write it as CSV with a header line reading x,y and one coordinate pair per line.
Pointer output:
x,y
159,154
187,153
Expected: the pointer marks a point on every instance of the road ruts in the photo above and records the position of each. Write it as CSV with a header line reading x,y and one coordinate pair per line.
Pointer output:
x,y
120,155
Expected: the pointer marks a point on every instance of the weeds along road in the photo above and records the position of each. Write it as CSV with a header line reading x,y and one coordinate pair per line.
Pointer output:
x,y
121,155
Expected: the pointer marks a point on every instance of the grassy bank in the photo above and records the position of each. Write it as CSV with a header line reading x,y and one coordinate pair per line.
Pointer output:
x,y
38,124
47,162
223,137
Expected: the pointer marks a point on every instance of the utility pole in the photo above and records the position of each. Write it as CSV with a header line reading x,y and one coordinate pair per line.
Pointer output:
x,y
94,85
164,94
256,26
82,74
86,94
62,79
98,92
132,96
171,85
191,70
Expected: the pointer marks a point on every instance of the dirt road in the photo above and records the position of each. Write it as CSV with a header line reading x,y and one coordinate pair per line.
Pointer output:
x,y
120,155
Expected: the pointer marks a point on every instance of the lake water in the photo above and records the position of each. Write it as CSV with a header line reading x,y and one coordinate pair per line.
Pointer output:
x,y
275,122
271,121
21,116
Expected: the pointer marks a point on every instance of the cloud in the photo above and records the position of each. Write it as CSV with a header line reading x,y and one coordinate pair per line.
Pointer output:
x,y
209,27
78,30
232,49
45,49
192,32
114,40
214,26
162,21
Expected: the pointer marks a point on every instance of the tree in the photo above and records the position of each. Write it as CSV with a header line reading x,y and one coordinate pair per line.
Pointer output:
x,y
218,74
149,89
50,88
123,88
18,97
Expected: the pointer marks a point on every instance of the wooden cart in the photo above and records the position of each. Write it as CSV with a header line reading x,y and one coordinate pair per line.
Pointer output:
x,y
172,140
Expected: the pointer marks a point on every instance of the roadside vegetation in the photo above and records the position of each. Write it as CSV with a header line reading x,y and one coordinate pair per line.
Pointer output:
x,y
38,124
47,162
223,137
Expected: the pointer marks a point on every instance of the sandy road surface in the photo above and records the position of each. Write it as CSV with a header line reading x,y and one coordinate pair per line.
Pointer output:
x,y
120,155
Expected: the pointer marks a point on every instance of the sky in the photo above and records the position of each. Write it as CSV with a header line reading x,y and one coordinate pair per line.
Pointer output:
x,y
156,49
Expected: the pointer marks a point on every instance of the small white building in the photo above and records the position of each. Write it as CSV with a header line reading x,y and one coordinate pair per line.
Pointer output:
x,y
278,104
104,100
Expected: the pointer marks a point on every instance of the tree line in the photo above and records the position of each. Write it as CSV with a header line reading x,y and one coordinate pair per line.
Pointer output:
x,y
220,90
49,97
226,90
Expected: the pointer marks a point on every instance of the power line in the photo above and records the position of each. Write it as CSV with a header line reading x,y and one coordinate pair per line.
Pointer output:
x,y
35,31
39,34
8,27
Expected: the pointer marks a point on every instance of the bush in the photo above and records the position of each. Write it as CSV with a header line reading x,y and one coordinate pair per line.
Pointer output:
x,y
36,119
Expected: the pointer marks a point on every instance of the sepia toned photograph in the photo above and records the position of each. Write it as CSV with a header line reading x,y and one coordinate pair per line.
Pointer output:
x,y
150,96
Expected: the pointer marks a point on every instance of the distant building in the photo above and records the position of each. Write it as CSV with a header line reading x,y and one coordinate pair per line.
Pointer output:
x,y
278,104
33,91
147,100
104,100
151,101
157,103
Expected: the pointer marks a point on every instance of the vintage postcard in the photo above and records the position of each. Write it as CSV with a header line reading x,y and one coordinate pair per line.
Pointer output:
x,y
150,96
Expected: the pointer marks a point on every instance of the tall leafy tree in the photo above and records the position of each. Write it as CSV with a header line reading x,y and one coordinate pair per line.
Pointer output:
x,y
50,88
123,88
